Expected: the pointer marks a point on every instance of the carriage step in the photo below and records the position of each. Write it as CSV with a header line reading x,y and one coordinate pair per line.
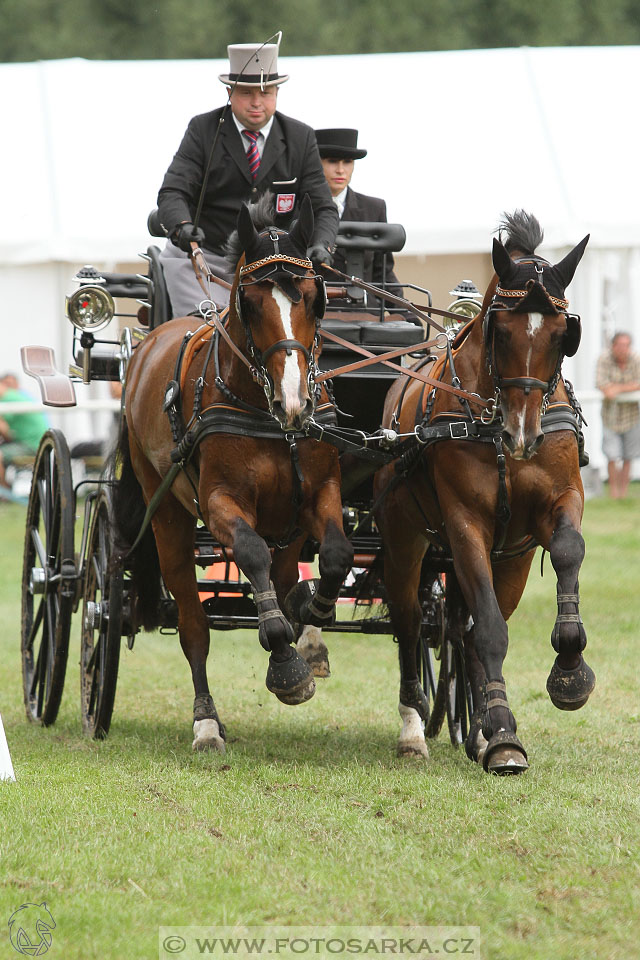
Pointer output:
x,y
56,390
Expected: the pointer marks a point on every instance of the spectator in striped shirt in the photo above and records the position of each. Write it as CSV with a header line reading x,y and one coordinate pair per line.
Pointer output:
x,y
618,374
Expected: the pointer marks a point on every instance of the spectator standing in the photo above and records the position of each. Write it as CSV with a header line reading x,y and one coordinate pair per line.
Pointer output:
x,y
618,373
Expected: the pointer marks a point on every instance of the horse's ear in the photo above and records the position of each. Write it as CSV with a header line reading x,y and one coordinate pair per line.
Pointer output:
x,y
302,230
502,262
247,233
566,268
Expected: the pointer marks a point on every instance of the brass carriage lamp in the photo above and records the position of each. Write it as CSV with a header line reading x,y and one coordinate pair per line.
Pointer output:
x,y
90,309
468,302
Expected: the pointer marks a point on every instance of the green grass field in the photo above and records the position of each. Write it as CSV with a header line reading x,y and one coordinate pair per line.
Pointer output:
x,y
310,819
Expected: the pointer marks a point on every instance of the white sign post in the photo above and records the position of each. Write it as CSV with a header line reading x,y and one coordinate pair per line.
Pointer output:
x,y
6,767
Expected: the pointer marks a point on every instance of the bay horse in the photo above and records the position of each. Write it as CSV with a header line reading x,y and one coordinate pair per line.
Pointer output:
x,y
249,473
452,495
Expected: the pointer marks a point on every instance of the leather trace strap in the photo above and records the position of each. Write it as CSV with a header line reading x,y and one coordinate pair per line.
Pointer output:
x,y
369,361
406,371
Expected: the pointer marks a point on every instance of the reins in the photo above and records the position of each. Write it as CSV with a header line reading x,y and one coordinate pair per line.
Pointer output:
x,y
385,358
421,311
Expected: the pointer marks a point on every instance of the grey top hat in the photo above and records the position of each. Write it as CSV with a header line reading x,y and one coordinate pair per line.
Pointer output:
x,y
339,143
253,64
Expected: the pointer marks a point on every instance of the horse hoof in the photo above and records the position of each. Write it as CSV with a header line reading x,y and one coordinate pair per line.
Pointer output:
x,y
206,736
570,689
290,680
413,749
313,649
304,605
504,755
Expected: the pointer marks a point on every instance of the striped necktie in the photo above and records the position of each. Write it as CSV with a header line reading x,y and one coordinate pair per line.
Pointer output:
x,y
253,156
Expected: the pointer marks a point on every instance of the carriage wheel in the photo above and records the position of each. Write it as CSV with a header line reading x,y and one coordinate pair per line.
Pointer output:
x,y
457,693
48,579
429,651
451,695
101,623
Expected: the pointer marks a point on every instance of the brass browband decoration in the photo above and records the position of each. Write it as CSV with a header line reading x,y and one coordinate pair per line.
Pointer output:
x,y
500,292
279,258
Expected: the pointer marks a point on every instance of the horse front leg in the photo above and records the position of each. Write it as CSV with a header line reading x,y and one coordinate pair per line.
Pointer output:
x,y
289,676
571,680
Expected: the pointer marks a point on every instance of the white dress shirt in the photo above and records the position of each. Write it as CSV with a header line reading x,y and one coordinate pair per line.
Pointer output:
x,y
340,201
262,134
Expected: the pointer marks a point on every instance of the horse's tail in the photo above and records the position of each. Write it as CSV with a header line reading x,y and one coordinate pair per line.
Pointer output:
x,y
143,564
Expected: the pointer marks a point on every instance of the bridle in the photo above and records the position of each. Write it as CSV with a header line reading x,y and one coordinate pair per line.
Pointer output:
x,y
267,269
557,305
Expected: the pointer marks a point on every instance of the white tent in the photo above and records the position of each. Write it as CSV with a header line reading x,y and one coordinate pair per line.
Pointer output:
x,y
454,139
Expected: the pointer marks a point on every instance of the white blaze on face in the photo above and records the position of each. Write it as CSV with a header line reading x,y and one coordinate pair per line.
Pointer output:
x,y
535,324
291,381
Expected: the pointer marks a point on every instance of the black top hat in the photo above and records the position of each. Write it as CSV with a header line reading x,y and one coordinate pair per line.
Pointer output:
x,y
341,143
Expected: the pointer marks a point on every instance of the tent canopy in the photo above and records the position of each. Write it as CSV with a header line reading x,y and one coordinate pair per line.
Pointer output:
x,y
454,139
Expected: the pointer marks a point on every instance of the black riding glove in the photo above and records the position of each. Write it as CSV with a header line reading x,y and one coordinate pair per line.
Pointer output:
x,y
319,253
185,234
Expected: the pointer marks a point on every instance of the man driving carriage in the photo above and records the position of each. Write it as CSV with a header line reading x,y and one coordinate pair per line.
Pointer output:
x,y
235,154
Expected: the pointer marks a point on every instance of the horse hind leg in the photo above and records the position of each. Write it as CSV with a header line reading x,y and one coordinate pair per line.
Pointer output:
x,y
406,615
571,680
174,536
312,603
173,529
311,646
309,643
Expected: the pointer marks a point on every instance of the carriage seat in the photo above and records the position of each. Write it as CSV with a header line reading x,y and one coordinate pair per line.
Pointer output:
x,y
371,236
118,284
154,226
367,332
357,238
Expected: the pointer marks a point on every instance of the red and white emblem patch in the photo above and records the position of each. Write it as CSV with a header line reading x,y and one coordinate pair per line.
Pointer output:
x,y
285,202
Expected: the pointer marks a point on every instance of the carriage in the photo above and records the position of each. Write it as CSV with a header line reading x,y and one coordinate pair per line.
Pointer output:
x,y
61,576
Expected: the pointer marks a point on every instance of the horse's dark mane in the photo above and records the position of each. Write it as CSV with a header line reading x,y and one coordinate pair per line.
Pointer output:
x,y
522,232
263,214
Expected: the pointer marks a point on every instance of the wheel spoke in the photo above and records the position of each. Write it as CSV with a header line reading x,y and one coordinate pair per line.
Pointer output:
x,y
35,676
39,547
35,626
93,695
91,665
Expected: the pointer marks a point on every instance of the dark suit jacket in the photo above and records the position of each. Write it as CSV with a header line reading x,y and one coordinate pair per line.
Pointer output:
x,y
365,209
290,165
